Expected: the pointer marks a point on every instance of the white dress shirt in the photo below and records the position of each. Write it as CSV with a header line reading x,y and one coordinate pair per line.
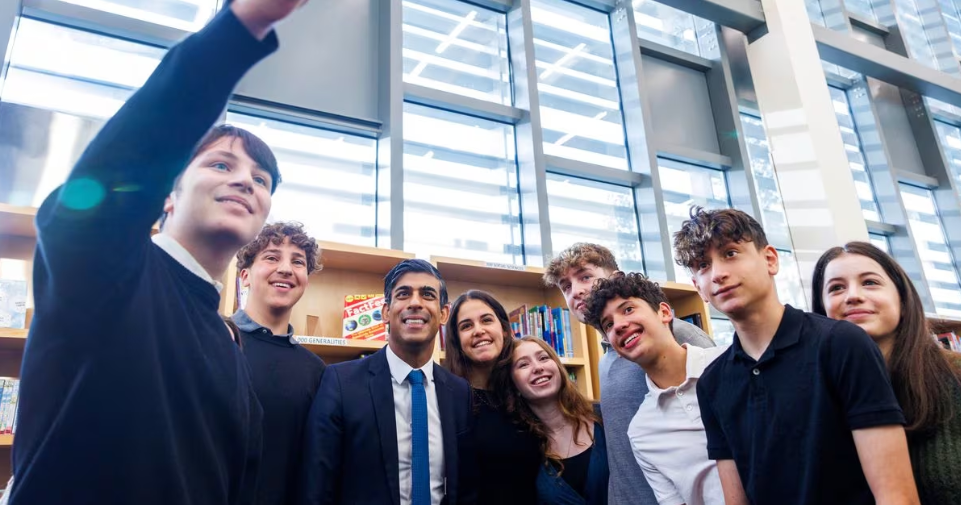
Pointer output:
x,y
402,416
183,256
669,440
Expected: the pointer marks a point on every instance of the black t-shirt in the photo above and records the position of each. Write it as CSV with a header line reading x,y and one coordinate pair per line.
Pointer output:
x,y
786,419
576,469
285,377
508,456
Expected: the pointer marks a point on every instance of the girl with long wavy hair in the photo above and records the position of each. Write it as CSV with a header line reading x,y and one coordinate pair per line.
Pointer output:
x,y
508,454
866,286
574,455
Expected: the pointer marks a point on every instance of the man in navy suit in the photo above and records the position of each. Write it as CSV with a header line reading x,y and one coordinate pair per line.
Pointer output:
x,y
393,428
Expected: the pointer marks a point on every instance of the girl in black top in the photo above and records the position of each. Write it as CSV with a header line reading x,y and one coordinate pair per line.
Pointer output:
x,y
508,455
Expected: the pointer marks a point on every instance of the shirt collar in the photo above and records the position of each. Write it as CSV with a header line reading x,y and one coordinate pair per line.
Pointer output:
x,y
248,325
177,252
697,360
399,369
788,333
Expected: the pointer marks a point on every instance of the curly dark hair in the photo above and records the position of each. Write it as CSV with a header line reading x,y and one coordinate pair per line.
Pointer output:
x,y
577,256
275,234
712,229
622,285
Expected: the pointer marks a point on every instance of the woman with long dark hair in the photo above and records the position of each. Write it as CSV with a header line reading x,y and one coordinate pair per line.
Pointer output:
x,y
866,286
508,455
572,447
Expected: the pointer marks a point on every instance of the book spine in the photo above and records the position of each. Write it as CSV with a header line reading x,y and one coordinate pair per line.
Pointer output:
x,y
14,400
4,400
566,322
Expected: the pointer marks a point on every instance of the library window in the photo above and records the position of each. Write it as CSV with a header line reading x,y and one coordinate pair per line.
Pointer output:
x,y
675,28
856,159
684,186
951,145
460,187
939,267
188,15
773,217
61,86
862,8
880,241
580,103
722,331
329,179
952,21
456,47
588,211
915,27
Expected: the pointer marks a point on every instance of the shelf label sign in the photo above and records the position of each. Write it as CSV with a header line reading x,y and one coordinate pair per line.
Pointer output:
x,y
320,340
506,266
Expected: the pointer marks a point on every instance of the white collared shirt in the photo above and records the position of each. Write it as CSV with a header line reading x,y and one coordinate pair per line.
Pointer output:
x,y
402,415
177,251
669,440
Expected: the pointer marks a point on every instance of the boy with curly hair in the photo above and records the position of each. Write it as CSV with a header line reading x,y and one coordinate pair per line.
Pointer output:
x,y
799,410
285,375
666,433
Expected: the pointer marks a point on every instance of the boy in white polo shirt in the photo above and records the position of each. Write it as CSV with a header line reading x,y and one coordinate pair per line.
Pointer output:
x,y
666,434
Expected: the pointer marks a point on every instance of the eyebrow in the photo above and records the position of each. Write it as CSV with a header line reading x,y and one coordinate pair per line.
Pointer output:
x,y
429,289
274,250
862,274
233,158
482,315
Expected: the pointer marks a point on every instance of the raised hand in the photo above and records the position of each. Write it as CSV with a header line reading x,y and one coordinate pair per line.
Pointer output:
x,y
259,16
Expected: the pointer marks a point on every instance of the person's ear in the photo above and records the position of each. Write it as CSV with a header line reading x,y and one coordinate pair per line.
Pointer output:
x,y
665,312
772,259
444,314
245,278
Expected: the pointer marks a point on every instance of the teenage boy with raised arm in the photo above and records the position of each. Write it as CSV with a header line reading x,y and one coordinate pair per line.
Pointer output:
x,y
623,384
133,391
275,268
799,410
666,433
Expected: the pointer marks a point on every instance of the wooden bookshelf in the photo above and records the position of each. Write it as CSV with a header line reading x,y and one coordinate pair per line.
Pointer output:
x,y
12,339
17,220
347,270
943,324
514,286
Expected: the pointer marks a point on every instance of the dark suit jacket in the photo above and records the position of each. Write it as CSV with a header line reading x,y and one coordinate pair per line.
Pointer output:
x,y
350,453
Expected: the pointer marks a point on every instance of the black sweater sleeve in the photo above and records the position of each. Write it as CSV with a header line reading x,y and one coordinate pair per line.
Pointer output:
x,y
98,223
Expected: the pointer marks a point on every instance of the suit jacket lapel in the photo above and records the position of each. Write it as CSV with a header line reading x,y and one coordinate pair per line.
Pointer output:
x,y
382,395
445,404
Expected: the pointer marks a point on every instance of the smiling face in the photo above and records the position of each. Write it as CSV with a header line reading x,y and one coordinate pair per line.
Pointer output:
x,y
537,376
415,312
635,330
223,193
736,276
576,284
480,332
858,290
277,278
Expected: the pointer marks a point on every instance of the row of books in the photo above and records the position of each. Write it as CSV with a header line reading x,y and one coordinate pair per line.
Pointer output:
x,y
551,324
8,404
950,340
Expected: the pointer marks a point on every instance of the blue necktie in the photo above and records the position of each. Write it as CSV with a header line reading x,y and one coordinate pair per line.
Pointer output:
x,y
420,460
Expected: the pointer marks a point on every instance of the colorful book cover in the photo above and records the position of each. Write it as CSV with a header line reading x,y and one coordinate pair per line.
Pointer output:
x,y
14,400
566,321
4,400
13,304
519,316
362,317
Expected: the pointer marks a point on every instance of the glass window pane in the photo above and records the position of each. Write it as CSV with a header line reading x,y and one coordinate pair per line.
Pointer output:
x,y
328,179
861,7
460,187
880,241
675,28
457,47
189,15
722,331
580,104
684,186
951,145
852,145
915,31
61,85
814,11
936,261
788,281
589,211
773,216
952,21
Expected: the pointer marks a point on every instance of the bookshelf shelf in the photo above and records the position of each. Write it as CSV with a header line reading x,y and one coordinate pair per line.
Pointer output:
x,y
337,256
6,440
339,348
12,339
943,324
17,221
488,273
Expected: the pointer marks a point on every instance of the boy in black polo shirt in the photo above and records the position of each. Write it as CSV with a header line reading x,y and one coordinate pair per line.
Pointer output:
x,y
799,410
133,391
285,375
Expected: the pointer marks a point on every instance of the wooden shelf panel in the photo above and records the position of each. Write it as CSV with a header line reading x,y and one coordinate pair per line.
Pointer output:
x,y
12,339
944,325
339,256
471,271
339,349
6,440
17,221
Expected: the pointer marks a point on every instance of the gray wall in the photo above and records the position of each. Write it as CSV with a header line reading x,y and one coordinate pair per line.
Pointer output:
x,y
680,106
327,61
865,36
899,138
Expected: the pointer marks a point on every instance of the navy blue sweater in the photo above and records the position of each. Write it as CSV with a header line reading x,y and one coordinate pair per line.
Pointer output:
x,y
132,390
